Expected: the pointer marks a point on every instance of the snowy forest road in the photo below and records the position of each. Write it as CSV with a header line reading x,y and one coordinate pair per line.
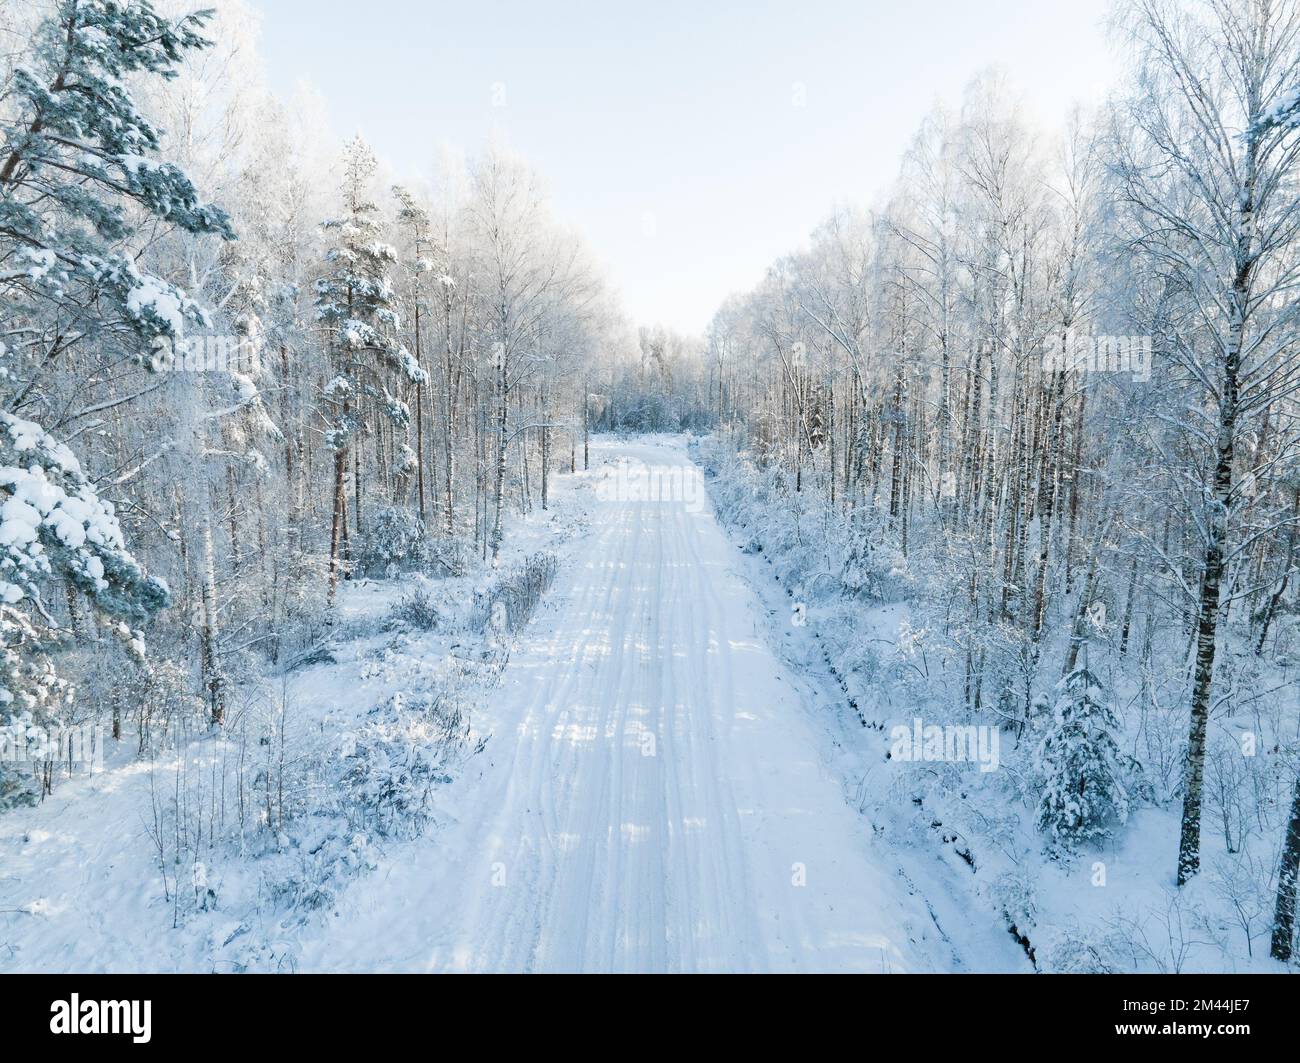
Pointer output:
x,y
651,798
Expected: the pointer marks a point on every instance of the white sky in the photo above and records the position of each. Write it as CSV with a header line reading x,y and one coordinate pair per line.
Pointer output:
x,y
668,131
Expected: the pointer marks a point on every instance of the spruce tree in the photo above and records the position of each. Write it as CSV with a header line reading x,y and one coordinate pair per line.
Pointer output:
x,y
1081,766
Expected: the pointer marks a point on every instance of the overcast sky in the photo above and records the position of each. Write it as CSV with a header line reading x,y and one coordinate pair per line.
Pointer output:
x,y
692,142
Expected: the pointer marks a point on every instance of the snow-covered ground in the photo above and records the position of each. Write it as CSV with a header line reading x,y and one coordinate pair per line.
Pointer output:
x,y
652,798
658,791
965,840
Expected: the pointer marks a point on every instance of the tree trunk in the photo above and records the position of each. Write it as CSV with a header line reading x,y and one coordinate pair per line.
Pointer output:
x,y
210,663
499,485
546,451
1189,845
356,487
1284,914
419,422
338,516
448,412
1271,611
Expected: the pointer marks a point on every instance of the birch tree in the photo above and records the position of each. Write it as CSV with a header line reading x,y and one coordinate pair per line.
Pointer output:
x,y
1208,194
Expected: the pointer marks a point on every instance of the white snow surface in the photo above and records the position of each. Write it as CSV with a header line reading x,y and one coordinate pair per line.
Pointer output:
x,y
652,798
660,791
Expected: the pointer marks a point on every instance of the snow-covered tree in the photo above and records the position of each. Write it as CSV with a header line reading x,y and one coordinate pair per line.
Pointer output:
x,y
1210,213
355,302
1284,112
77,168
414,219
55,529
1288,872
78,173
1082,769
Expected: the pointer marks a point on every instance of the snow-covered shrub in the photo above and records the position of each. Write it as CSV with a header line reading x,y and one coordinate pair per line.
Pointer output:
x,y
1246,885
1232,790
916,657
448,556
840,626
1013,894
736,488
873,570
414,612
1161,937
165,703
17,787
320,859
153,701
1163,733
1078,950
509,603
645,413
394,539
406,747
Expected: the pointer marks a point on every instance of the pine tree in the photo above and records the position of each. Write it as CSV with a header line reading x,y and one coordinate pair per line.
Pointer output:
x,y
55,527
416,220
76,164
77,168
1081,766
356,304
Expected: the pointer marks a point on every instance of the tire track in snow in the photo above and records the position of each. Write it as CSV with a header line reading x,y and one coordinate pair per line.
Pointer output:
x,y
616,861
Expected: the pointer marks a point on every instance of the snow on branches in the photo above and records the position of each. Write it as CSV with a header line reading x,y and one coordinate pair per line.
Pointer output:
x,y
54,526
75,169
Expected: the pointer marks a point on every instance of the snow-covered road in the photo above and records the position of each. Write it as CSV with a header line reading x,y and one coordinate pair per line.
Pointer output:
x,y
651,798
